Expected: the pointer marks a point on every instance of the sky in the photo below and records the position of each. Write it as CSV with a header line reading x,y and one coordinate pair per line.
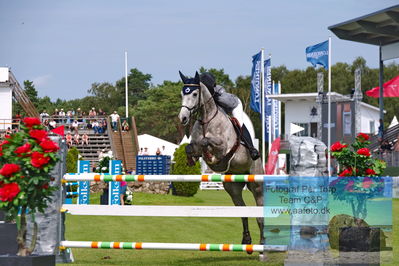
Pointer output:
x,y
65,46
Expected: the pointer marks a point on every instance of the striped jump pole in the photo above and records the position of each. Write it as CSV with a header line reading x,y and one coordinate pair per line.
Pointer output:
x,y
170,246
163,178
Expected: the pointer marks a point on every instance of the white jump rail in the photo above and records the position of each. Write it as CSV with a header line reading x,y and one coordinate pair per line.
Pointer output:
x,y
164,178
164,211
171,246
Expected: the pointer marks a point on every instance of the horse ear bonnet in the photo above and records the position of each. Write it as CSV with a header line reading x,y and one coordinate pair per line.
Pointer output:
x,y
190,84
209,81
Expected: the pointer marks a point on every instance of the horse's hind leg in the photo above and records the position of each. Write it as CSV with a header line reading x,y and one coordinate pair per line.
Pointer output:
x,y
257,191
235,192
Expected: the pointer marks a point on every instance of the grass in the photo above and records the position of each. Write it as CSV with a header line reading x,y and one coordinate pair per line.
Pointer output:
x,y
172,229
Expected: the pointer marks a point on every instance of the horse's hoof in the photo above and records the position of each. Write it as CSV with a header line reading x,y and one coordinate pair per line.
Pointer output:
x,y
190,161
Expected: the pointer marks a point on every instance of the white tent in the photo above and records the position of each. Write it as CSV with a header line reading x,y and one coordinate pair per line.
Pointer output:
x,y
152,143
295,128
394,122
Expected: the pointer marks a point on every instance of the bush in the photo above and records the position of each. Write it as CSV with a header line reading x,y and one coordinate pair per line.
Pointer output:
x,y
72,160
187,189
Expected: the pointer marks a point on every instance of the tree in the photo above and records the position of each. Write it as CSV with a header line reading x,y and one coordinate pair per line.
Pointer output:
x,y
157,113
138,84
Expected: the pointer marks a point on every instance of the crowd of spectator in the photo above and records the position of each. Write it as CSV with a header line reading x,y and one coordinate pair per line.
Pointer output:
x,y
75,120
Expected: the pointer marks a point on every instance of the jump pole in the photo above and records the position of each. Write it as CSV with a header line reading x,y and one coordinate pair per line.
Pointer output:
x,y
163,178
170,246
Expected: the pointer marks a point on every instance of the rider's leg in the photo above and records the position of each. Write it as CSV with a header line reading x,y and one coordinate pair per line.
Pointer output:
x,y
238,113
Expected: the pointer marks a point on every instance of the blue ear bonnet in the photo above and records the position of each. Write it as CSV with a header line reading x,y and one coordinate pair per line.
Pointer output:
x,y
190,86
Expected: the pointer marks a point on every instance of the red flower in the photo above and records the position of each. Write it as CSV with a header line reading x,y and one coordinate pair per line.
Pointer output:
x,y
1,150
362,137
367,182
23,149
9,169
364,152
7,136
38,134
9,191
45,186
346,172
31,121
349,186
38,159
370,172
337,146
49,146
4,142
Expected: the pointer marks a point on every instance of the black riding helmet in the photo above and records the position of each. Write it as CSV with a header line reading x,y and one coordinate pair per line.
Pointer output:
x,y
209,81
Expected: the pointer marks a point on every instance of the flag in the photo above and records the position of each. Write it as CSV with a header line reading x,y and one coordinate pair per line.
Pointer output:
x,y
256,92
391,89
273,156
276,114
318,54
59,130
267,100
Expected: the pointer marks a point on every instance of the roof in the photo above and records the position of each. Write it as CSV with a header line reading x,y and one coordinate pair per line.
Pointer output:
x,y
312,96
378,28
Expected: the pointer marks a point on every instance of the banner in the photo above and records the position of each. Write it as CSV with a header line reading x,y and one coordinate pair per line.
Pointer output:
x,y
267,100
256,92
273,156
318,54
84,186
115,168
276,112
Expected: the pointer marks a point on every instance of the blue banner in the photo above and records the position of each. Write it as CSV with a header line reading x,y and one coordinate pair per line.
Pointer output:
x,y
84,186
318,54
256,92
276,114
267,100
115,167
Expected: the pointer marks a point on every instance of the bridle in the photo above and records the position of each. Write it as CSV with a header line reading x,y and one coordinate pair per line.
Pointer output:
x,y
198,106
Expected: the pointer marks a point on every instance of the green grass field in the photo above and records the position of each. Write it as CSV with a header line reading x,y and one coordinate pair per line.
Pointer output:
x,y
173,230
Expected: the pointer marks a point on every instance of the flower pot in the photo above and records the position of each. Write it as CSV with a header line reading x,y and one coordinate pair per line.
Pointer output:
x,y
8,239
33,260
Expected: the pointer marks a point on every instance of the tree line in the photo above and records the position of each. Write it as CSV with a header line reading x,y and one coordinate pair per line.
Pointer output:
x,y
155,107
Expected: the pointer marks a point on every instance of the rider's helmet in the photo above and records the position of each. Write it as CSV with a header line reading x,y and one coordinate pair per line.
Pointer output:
x,y
209,81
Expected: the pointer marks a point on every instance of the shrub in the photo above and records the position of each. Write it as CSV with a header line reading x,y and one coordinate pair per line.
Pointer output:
x,y
72,160
180,167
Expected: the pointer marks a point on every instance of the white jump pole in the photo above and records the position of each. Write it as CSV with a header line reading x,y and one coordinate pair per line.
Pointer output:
x,y
170,246
163,178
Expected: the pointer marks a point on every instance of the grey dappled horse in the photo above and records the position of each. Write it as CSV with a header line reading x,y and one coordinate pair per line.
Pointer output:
x,y
213,138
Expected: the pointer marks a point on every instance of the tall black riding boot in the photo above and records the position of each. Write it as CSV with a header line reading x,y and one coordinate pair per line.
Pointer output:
x,y
246,138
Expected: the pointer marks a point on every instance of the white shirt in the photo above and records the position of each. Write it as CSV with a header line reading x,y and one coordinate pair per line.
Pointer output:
x,y
114,117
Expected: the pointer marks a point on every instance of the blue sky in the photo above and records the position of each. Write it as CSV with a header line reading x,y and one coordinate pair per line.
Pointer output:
x,y
65,46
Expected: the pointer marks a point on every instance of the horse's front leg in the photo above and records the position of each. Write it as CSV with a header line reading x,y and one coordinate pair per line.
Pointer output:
x,y
213,149
193,152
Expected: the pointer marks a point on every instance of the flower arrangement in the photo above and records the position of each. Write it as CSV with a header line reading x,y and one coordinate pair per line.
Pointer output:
x,y
26,158
359,175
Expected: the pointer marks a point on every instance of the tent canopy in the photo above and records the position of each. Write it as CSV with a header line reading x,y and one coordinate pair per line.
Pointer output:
x,y
152,143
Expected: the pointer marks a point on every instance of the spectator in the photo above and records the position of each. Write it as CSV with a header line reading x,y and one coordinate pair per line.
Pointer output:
x,y
46,124
114,120
145,152
75,126
69,115
92,112
95,126
55,115
158,152
141,151
125,126
386,146
79,114
44,115
8,131
76,138
52,124
381,130
101,112
123,191
104,125
68,138
85,139
62,115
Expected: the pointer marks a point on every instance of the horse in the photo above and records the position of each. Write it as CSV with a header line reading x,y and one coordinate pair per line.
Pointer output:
x,y
215,139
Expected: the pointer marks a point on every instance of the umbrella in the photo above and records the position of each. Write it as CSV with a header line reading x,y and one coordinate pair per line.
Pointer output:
x,y
391,89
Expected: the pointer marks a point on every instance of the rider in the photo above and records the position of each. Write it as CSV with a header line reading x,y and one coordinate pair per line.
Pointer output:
x,y
232,105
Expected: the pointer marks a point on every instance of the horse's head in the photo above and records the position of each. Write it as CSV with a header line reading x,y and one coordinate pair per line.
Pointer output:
x,y
190,97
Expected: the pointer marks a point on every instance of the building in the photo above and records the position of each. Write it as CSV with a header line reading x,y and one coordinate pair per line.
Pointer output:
x,y
349,116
